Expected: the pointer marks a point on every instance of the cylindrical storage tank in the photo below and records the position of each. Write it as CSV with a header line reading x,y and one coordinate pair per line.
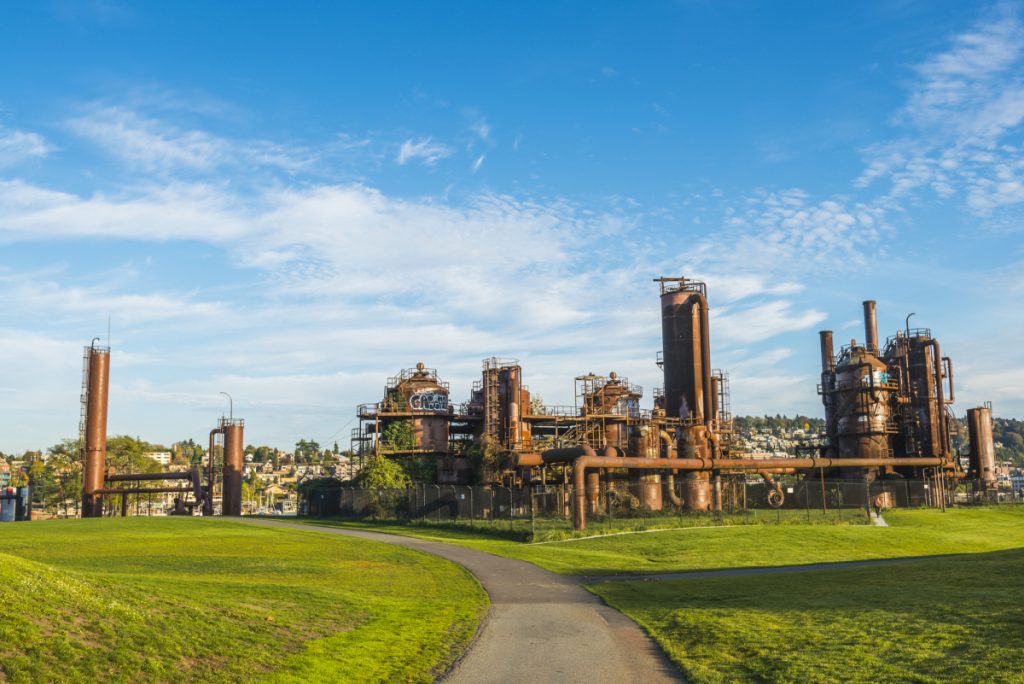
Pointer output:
x,y
863,401
510,394
234,460
645,485
23,504
697,491
683,354
696,484
429,398
925,395
97,392
983,448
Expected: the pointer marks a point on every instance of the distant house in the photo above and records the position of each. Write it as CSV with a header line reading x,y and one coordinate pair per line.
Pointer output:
x,y
161,457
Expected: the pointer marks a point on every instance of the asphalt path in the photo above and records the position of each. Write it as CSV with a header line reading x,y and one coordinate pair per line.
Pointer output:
x,y
541,627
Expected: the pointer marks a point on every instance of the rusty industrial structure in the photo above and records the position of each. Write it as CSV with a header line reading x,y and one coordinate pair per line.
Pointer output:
x,y
93,427
231,430
887,411
98,481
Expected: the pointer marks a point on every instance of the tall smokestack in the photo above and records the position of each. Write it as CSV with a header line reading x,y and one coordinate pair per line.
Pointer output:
x,y
685,349
231,494
828,353
870,325
96,394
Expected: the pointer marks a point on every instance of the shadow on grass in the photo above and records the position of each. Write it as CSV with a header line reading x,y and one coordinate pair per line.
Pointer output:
x,y
949,618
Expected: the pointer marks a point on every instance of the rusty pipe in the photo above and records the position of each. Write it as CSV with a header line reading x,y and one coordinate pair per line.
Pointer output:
x,y
668,442
775,487
949,369
579,513
670,476
208,504
144,490
943,423
139,477
705,352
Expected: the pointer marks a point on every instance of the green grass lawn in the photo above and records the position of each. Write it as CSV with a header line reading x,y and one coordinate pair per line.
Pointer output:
x,y
187,599
918,532
958,619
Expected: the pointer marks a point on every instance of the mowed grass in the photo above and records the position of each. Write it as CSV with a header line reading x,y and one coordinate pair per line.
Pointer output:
x,y
919,532
188,599
951,619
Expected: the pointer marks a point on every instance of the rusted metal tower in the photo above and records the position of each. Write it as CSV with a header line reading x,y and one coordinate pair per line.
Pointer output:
x,y
96,384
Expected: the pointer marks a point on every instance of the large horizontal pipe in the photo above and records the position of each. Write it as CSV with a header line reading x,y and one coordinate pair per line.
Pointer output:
x,y
583,462
778,465
139,477
757,464
145,490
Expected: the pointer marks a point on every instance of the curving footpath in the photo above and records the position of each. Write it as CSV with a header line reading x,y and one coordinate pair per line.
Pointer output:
x,y
541,627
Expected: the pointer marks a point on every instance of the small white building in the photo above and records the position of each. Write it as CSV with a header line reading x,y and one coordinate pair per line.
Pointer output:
x,y
161,457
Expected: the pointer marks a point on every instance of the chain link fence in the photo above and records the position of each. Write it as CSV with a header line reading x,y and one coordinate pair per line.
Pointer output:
x,y
538,512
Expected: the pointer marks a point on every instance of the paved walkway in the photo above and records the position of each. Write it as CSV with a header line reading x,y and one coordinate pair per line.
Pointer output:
x,y
541,627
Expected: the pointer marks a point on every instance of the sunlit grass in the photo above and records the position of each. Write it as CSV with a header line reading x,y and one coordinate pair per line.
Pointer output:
x,y
952,619
198,600
921,532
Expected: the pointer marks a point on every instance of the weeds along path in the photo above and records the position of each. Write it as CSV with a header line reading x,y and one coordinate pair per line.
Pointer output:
x,y
541,627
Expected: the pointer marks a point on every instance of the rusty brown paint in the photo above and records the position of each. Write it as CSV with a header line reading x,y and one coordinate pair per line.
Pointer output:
x,y
95,447
231,492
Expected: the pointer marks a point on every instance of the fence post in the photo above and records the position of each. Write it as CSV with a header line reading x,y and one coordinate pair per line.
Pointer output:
x,y
533,523
867,498
470,488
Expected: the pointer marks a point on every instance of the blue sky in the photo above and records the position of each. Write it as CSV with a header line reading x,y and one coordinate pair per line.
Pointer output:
x,y
290,202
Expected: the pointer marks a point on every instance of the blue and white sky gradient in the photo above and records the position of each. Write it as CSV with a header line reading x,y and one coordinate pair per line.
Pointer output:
x,y
289,202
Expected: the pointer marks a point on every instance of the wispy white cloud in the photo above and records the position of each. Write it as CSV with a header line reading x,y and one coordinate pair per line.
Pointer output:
x,y
18,146
963,114
478,162
482,129
777,232
424,150
154,145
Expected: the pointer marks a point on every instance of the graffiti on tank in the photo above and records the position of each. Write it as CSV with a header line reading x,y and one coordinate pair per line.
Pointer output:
x,y
429,400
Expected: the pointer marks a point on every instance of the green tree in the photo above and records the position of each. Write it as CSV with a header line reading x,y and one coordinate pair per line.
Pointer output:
x,y
65,463
380,472
384,479
398,435
306,451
